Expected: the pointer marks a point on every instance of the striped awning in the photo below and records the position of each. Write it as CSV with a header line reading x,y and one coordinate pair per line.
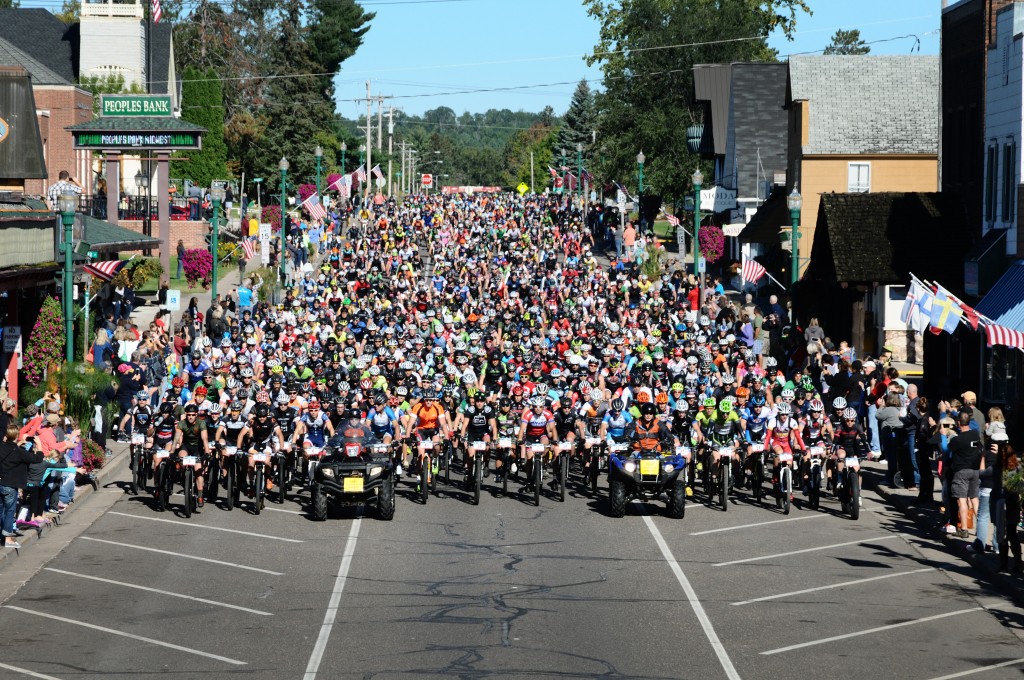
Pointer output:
x,y
1004,303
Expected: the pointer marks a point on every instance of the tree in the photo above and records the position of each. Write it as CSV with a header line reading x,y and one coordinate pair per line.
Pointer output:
x,y
9,4
648,100
69,13
847,42
108,84
578,125
202,103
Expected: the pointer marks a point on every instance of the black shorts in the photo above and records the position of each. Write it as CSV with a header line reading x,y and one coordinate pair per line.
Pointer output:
x,y
194,450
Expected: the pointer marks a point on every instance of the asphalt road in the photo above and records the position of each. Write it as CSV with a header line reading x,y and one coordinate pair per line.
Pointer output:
x,y
504,590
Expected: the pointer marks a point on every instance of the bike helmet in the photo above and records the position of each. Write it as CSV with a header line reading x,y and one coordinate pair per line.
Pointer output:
x,y
167,408
505,402
216,409
709,402
770,362
314,404
648,409
839,403
617,404
596,394
538,402
849,414
247,372
725,406
262,410
177,381
191,408
682,406
662,398
788,395
142,395
816,406
565,402
757,400
643,397
236,406
380,400
785,409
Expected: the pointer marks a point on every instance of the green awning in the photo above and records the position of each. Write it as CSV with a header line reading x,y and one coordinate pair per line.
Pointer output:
x,y
105,237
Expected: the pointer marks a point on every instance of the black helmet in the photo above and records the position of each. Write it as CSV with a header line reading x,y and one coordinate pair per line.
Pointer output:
x,y
167,408
262,410
648,409
191,408
565,402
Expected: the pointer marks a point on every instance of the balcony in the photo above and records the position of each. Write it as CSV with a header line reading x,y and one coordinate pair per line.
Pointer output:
x,y
113,9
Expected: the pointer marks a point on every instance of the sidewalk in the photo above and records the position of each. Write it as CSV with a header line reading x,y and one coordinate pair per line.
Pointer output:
x,y
928,518
117,456
143,314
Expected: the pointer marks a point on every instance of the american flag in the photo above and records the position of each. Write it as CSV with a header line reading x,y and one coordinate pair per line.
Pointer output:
x,y
105,270
1000,335
377,172
672,219
361,174
314,208
157,12
554,173
753,271
249,246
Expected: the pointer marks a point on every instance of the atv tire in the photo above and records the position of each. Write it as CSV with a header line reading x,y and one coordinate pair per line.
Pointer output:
x,y
318,503
386,500
676,507
617,498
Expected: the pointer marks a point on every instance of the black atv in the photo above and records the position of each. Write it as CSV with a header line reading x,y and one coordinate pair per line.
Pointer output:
x,y
646,475
354,471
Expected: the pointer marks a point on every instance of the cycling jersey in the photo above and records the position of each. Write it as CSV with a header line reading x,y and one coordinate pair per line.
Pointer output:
x,y
286,419
427,416
781,429
382,420
507,424
812,432
756,418
478,420
565,422
536,423
316,428
617,423
142,418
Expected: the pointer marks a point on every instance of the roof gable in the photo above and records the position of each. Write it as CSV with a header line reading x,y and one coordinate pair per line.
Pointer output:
x,y
42,36
864,104
41,74
865,238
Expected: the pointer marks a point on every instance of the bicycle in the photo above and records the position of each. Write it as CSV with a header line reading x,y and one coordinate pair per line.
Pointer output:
x,y
139,463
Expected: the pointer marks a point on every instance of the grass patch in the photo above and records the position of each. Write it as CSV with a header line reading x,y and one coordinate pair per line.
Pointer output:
x,y
152,285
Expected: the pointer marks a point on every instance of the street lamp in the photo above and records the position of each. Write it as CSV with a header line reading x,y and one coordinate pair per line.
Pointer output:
x,y
67,203
698,179
283,165
795,202
579,167
217,194
318,153
640,159
344,148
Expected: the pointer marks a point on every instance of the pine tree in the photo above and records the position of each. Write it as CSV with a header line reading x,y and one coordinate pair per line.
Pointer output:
x,y
202,103
578,126
847,43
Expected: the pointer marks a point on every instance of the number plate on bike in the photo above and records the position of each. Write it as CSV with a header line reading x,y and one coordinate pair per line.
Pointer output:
x,y
756,448
785,457
817,451
428,445
479,446
313,452
160,455
537,448
725,452
683,451
505,442
230,450
189,460
852,462
649,467
565,446
353,485
593,441
138,439
260,457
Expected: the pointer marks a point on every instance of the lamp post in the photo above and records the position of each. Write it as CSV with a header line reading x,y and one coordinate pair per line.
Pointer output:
x,y
344,148
640,159
318,153
142,184
68,203
283,165
795,202
217,194
698,179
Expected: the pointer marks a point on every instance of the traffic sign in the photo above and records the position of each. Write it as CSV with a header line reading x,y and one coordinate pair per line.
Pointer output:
x,y
522,188
12,336
427,180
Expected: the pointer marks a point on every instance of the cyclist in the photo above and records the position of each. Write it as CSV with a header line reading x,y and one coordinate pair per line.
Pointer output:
x,y
427,420
537,427
783,436
507,424
261,435
190,439
477,423
816,431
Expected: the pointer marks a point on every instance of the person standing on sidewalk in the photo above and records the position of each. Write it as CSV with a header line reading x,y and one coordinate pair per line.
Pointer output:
x,y
1007,505
14,463
925,448
181,257
987,496
966,459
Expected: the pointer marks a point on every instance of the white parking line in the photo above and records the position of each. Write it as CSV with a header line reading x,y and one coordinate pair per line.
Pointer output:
x,y
203,526
159,643
806,550
981,670
332,607
691,597
835,585
25,671
871,630
757,524
183,556
157,591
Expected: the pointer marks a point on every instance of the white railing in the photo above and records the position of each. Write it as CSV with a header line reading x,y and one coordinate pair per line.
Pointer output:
x,y
112,9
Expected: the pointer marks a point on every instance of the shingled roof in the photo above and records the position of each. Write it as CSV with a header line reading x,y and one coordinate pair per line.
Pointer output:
x,y
866,238
43,36
41,74
868,105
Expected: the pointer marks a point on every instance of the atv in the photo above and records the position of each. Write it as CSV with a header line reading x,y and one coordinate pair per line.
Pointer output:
x,y
647,475
354,471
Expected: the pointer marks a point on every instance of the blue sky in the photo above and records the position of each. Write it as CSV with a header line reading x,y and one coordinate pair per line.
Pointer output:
x,y
426,47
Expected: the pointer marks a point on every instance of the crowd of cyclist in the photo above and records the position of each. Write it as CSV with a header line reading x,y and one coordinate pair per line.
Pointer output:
x,y
485,319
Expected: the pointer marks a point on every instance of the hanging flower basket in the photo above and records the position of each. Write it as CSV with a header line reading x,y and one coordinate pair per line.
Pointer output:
x,y
712,242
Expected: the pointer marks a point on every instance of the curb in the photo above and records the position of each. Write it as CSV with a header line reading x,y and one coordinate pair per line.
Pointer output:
x,y
928,522
81,493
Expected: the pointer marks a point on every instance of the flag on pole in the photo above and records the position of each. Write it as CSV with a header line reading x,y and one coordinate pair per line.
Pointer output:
x,y
946,313
105,270
1000,335
752,271
361,174
554,173
587,177
313,207
913,313
158,13
672,219
377,172
249,246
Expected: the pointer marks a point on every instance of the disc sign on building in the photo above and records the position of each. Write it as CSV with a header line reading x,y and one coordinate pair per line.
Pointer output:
x,y
144,125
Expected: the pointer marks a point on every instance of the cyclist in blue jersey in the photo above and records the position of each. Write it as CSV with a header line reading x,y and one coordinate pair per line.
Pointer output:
x,y
616,422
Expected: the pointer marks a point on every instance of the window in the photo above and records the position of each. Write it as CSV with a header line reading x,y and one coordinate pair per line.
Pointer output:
x,y
860,178
991,170
1009,180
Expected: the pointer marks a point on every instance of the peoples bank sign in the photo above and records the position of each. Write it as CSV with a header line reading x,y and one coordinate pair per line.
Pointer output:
x,y
135,105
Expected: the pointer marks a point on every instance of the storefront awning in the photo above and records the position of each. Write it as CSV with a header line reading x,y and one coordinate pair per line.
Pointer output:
x,y
1004,303
105,237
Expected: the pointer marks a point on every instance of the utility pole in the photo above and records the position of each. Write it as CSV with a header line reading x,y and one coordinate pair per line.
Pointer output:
x,y
391,132
369,137
380,121
532,191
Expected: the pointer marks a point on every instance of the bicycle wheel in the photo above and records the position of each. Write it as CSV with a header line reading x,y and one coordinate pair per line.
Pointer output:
x,y
786,484
230,489
758,480
595,469
260,488
189,493
563,475
446,462
854,481
815,490
280,473
478,476
504,474
424,479
538,472
136,469
724,470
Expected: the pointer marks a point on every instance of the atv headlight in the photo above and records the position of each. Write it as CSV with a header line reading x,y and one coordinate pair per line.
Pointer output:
x,y
668,468
629,466
376,470
327,472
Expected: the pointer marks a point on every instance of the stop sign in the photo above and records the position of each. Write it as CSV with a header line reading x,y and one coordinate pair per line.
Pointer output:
x,y
427,180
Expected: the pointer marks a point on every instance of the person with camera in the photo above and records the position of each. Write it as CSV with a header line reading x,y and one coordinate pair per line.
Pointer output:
x,y
963,444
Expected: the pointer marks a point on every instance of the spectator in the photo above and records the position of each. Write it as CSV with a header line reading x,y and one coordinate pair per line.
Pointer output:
x,y
65,184
1008,502
245,296
814,336
970,405
990,476
628,241
15,460
964,447
181,252
102,350
925,449
892,434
